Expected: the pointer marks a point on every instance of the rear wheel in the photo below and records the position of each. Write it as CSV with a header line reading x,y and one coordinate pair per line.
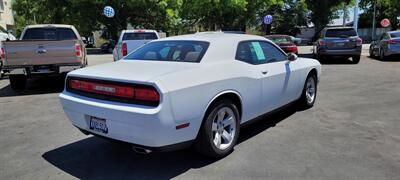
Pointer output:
x,y
219,131
17,82
356,59
309,93
371,53
381,54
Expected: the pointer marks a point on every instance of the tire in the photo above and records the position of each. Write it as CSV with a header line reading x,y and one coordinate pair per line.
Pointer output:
x,y
306,102
356,59
17,82
371,53
207,139
382,54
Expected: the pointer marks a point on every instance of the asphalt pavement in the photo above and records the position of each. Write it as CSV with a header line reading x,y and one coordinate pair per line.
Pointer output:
x,y
351,133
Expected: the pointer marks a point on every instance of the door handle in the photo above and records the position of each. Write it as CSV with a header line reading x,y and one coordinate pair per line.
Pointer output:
x,y
264,72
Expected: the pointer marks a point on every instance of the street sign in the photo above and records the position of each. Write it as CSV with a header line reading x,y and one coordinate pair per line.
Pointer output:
x,y
268,19
385,23
109,11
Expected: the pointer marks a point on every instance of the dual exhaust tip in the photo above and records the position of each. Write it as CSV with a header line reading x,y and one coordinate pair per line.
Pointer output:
x,y
141,150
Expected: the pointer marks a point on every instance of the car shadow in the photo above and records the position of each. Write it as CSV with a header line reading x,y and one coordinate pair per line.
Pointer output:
x,y
95,158
329,61
387,59
34,86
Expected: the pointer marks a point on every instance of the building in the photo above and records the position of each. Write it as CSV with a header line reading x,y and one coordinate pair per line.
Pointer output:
x,y
6,14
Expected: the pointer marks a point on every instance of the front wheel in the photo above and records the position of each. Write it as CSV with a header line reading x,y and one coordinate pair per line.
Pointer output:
x,y
309,93
219,131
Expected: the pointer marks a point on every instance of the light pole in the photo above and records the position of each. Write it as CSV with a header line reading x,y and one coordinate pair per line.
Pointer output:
x,y
355,23
374,22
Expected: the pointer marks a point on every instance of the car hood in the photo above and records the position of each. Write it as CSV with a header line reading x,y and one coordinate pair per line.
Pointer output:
x,y
132,70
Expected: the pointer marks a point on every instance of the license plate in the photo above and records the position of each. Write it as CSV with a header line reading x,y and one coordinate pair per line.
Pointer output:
x,y
98,124
340,44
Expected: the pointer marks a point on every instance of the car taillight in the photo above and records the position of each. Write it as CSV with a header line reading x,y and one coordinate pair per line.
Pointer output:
x,y
146,94
124,49
392,41
107,89
78,50
359,42
3,53
322,43
131,93
292,49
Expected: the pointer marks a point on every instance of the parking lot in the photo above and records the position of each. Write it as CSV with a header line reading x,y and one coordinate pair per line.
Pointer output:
x,y
352,132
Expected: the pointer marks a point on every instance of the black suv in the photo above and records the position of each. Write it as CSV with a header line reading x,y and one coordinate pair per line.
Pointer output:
x,y
338,42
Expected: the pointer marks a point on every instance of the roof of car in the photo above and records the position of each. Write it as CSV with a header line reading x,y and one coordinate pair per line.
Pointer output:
x,y
138,30
277,35
50,26
215,37
346,27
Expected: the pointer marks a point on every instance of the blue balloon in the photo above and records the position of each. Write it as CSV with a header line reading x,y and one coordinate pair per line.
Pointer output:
x,y
268,19
109,11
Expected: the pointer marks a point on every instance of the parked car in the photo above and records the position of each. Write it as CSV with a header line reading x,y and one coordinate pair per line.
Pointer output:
x,y
130,40
43,50
338,42
387,45
108,47
188,90
6,35
285,42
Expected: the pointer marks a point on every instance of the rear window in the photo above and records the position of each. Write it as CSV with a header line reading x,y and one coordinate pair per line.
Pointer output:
x,y
395,34
340,33
139,36
177,51
49,34
280,39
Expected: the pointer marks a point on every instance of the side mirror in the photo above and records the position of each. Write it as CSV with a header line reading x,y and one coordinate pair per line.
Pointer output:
x,y
292,57
10,31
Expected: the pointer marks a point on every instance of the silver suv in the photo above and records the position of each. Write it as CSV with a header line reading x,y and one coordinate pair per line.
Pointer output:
x,y
338,42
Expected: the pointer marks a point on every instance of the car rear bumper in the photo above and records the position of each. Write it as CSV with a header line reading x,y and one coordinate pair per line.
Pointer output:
x,y
341,52
31,70
148,127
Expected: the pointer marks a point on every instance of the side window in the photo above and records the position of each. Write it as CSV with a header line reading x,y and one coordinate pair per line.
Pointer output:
x,y
250,52
272,53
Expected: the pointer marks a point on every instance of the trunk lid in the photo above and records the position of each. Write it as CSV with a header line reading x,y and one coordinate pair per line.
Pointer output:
x,y
341,42
132,70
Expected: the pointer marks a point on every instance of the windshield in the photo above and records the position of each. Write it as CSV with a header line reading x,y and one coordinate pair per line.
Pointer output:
x,y
139,36
340,33
395,34
279,39
178,51
49,34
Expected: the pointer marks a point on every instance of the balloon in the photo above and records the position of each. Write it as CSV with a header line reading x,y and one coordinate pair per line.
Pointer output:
x,y
109,11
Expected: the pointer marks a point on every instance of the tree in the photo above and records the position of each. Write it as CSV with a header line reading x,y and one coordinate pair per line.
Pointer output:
x,y
289,16
322,12
385,9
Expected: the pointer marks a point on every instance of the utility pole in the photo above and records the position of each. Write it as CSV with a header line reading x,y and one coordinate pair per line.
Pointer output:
x,y
355,22
374,22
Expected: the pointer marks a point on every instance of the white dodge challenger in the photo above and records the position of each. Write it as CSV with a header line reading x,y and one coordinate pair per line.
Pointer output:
x,y
188,90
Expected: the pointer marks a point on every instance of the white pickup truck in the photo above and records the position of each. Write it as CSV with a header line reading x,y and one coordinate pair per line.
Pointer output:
x,y
130,40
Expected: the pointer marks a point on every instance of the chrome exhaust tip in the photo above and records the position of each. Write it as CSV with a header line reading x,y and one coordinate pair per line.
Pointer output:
x,y
140,150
